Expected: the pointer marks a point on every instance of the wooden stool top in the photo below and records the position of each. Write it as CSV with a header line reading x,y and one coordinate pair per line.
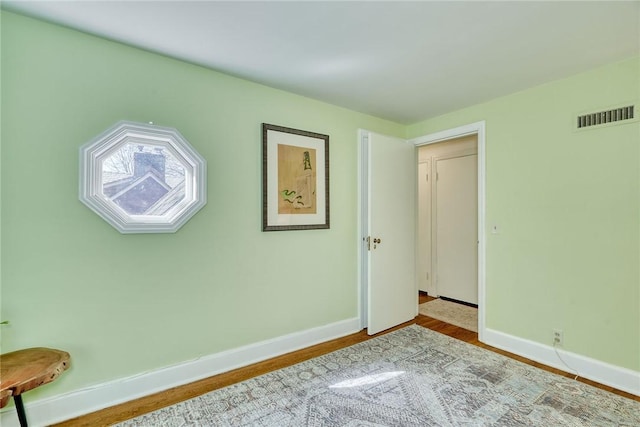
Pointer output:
x,y
5,395
24,370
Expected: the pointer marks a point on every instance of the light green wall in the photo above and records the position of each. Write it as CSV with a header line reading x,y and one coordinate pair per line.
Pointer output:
x,y
125,304
567,204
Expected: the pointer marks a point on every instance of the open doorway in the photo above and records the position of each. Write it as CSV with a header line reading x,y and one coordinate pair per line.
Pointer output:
x,y
447,255
445,269
375,242
447,258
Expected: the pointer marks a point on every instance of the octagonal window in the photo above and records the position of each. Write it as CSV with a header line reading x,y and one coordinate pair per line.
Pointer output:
x,y
142,178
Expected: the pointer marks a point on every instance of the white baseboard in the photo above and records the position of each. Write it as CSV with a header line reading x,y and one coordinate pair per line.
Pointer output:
x,y
80,402
604,373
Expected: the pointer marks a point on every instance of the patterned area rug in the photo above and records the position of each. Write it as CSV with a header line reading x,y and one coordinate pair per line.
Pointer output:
x,y
451,312
410,377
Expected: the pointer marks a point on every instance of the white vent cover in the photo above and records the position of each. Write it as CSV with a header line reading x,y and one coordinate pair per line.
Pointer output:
x,y
604,117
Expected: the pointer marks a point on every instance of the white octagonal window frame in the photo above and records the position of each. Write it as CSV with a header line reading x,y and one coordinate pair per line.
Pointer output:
x,y
142,178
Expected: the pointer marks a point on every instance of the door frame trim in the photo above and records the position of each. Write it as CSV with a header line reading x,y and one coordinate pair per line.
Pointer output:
x,y
477,128
363,225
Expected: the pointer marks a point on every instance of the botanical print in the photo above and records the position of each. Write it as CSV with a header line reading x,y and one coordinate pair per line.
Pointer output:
x,y
296,180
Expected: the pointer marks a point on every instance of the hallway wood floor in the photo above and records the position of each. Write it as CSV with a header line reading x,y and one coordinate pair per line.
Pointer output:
x,y
138,407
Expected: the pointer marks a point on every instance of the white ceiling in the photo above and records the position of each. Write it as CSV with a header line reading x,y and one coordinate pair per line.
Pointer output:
x,y
403,61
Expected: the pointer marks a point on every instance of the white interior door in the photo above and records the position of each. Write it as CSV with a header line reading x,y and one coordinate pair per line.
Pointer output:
x,y
457,228
390,256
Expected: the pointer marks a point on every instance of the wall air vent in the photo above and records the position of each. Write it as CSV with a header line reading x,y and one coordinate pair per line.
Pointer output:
x,y
607,116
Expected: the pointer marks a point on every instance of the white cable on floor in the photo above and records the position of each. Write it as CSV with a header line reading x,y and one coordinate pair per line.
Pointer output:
x,y
565,363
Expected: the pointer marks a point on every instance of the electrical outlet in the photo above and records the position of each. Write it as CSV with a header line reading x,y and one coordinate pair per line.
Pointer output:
x,y
558,337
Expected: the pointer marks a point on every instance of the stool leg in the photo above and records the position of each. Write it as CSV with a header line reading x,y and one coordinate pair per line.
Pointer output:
x,y
22,416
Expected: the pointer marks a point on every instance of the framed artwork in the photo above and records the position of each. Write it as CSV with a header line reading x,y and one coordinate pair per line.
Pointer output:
x,y
295,179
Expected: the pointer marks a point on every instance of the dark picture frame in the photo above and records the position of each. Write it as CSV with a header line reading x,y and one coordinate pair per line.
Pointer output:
x,y
295,179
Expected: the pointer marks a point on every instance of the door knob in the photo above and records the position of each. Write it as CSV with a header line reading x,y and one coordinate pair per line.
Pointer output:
x,y
376,241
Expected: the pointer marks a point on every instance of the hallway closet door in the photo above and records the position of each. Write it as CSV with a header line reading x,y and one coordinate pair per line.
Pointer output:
x,y
456,228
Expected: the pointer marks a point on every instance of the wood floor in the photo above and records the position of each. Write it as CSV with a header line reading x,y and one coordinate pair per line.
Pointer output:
x,y
141,406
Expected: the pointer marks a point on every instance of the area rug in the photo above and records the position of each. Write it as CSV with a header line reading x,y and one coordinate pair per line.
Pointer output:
x,y
409,377
451,312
